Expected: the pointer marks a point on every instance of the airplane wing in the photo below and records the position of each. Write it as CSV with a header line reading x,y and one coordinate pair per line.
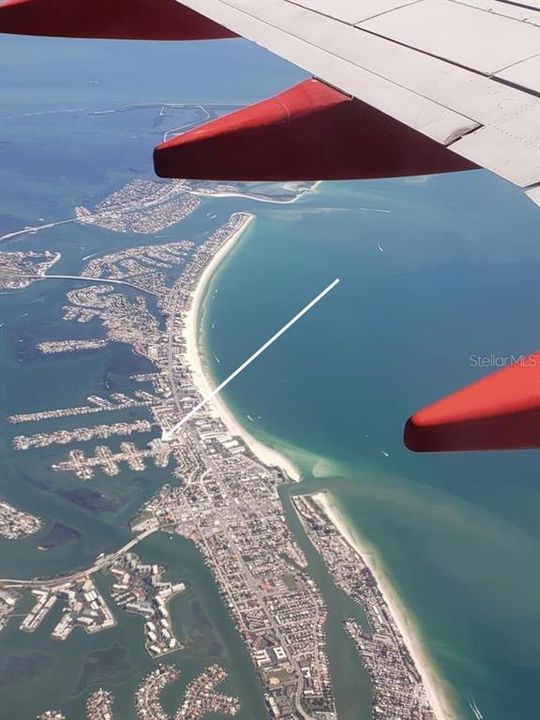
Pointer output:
x,y
402,87
463,73
399,87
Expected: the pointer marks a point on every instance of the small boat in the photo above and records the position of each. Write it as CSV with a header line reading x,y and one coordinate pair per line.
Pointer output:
x,y
379,248
385,453
250,418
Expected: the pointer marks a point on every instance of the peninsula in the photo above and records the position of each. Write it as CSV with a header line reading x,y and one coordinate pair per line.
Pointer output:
x,y
223,496
407,687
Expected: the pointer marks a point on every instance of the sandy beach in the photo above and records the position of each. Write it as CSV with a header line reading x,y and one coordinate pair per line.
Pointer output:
x,y
257,198
269,456
434,687
201,376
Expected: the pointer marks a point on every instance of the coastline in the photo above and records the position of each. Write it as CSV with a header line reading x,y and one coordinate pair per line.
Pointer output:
x,y
198,368
205,384
435,691
256,198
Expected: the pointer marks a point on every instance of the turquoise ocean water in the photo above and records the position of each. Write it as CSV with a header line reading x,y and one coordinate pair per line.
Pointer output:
x,y
455,275
433,271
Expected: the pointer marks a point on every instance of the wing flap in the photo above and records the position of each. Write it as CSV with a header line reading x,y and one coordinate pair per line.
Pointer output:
x,y
534,194
510,150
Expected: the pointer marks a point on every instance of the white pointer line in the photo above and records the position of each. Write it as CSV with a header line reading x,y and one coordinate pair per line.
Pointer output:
x,y
167,435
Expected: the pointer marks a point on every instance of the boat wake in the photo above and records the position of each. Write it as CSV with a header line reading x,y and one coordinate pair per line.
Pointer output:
x,y
476,710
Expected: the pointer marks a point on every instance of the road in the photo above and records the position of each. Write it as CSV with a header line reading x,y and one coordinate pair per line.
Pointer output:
x,y
32,230
107,281
99,564
173,317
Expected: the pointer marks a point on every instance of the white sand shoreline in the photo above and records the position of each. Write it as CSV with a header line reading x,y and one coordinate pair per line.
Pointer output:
x,y
225,194
435,691
200,374
433,684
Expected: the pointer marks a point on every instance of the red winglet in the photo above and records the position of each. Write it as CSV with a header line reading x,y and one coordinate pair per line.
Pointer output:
x,y
309,132
113,19
498,412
